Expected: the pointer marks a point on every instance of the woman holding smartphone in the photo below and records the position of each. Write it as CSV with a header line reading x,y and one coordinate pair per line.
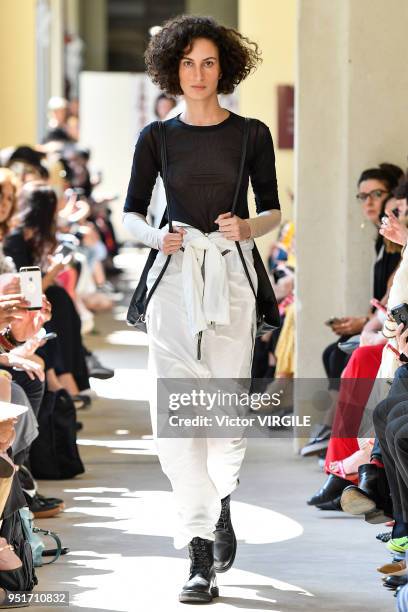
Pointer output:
x,y
32,243
191,336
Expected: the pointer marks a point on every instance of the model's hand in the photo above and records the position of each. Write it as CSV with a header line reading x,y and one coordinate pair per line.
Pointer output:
x,y
172,241
233,227
392,229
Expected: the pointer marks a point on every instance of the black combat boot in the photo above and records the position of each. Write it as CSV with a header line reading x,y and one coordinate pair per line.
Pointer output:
x,y
371,497
225,545
201,586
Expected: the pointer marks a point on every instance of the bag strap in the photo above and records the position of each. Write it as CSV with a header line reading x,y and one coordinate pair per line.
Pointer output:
x,y
241,165
57,552
163,153
235,200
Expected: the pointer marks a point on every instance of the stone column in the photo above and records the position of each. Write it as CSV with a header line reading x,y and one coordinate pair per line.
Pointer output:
x,y
94,32
57,48
17,73
351,114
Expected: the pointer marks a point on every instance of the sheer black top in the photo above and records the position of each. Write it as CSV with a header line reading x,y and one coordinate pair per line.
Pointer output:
x,y
203,164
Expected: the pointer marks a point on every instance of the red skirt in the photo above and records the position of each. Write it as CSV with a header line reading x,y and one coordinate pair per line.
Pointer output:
x,y
355,388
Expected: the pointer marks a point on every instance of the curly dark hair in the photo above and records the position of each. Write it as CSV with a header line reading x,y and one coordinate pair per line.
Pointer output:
x,y
238,55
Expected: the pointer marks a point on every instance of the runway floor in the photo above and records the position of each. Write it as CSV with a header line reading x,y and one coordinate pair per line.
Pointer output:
x,y
117,521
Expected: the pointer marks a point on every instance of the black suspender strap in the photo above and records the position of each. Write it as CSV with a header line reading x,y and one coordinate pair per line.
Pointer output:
x,y
241,165
163,153
234,204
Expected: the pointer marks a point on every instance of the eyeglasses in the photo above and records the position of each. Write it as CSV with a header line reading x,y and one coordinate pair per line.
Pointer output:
x,y
375,194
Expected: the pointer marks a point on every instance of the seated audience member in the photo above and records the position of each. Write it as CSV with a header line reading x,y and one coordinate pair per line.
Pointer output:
x,y
375,187
34,242
347,456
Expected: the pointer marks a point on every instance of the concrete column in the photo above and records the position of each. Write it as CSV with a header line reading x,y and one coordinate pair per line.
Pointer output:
x,y
93,31
17,73
350,115
57,48
72,16
272,25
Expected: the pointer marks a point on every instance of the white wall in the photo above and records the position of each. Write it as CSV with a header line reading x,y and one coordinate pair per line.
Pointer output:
x,y
114,108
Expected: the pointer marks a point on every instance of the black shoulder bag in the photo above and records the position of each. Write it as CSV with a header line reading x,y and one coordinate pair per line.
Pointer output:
x,y
140,300
267,312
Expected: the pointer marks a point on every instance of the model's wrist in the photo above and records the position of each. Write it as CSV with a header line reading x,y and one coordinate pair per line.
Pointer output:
x,y
248,229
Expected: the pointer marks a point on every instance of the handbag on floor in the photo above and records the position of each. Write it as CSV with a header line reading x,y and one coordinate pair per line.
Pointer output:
x,y
267,311
33,536
54,453
21,578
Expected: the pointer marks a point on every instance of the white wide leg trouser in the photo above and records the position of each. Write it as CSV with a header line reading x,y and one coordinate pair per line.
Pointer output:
x,y
201,470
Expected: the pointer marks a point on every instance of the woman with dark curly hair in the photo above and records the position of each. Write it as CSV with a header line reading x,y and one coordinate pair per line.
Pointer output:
x,y
201,318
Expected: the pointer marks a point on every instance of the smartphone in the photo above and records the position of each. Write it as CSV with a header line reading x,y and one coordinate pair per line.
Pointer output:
x,y
43,335
31,286
50,336
400,314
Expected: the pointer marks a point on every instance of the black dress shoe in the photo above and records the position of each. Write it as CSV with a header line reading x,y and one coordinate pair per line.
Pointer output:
x,y
332,488
333,504
371,497
52,500
201,586
393,582
225,545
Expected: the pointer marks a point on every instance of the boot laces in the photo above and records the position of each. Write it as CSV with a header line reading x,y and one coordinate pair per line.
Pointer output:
x,y
200,558
223,521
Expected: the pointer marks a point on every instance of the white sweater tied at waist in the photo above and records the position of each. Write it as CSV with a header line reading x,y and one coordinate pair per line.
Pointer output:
x,y
205,280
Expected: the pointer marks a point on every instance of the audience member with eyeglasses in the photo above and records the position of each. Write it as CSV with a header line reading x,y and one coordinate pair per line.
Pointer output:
x,y
375,187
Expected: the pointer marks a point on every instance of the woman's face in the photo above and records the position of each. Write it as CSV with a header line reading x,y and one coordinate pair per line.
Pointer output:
x,y
200,70
371,194
6,201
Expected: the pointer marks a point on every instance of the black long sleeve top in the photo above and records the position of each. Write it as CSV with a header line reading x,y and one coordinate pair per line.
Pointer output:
x,y
203,165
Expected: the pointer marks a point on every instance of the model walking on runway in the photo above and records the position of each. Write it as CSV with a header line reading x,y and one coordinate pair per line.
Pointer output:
x,y
201,317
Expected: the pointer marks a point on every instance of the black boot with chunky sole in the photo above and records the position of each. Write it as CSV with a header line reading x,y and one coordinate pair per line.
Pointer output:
x,y
201,586
225,545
